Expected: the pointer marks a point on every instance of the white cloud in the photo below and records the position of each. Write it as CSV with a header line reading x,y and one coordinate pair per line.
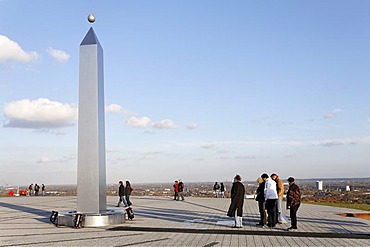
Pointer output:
x,y
39,114
223,157
208,146
116,109
339,142
47,159
164,124
53,132
332,114
11,51
145,122
59,55
245,157
192,126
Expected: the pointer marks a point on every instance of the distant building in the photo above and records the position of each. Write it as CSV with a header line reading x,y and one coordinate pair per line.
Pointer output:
x,y
348,188
319,185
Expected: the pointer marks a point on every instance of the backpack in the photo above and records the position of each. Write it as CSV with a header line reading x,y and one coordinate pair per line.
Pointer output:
x,y
130,213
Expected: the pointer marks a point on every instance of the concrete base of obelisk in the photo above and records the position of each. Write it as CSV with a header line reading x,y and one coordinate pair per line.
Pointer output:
x,y
106,218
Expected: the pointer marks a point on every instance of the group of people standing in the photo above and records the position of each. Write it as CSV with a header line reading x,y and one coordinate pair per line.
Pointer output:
x,y
270,193
124,193
178,188
217,188
35,189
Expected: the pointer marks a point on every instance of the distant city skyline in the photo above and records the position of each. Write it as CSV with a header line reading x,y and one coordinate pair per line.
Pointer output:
x,y
197,90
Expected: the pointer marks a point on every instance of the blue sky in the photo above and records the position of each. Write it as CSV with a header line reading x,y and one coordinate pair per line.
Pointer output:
x,y
197,90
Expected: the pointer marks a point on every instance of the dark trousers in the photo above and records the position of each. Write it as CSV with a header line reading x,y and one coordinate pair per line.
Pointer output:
x,y
293,215
261,207
271,212
128,200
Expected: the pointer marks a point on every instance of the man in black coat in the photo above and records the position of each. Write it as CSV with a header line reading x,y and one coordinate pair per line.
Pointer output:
x,y
237,201
261,199
121,194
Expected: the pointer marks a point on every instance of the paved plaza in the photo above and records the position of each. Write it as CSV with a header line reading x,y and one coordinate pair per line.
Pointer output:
x,y
159,221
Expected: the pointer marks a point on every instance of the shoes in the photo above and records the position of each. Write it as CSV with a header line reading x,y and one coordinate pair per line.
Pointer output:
x,y
117,206
237,227
292,228
264,227
280,222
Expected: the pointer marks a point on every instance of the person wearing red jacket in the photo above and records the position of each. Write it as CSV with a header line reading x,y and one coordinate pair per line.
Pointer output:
x,y
176,190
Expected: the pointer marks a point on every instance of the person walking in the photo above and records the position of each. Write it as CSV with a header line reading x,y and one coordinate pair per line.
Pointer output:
x,y
176,190
43,189
37,189
216,188
280,192
270,200
222,189
181,191
30,189
121,194
128,191
237,202
260,198
293,202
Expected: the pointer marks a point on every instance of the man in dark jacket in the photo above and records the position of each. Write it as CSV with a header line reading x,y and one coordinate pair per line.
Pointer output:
x,y
261,199
216,189
293,202
121,194
237,201
181,191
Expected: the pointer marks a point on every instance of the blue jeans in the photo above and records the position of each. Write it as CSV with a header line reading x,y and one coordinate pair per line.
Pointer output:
x,y
279,209
122,199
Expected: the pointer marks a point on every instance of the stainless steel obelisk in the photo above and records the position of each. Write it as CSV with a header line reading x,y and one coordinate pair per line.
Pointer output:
x,y
91,171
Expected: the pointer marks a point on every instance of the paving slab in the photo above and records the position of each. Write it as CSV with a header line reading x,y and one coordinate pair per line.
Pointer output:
x,y
160,221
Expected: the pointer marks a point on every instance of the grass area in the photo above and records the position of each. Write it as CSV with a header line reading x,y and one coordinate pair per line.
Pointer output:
x,y
365,207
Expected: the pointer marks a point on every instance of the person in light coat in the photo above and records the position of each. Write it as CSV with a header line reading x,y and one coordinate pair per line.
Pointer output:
x,y
271,197
280,192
